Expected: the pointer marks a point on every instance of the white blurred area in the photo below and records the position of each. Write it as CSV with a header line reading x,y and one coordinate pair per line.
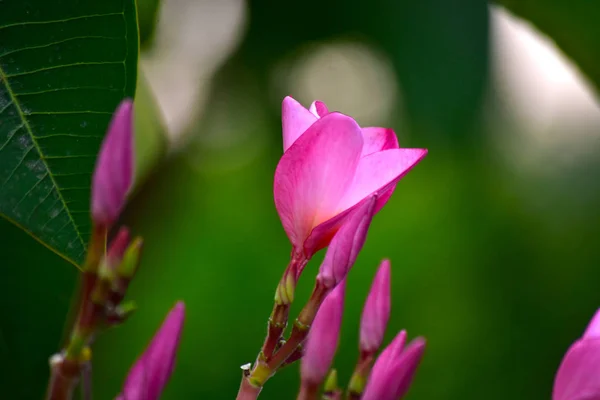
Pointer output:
x,y
349,77
554,109
193,38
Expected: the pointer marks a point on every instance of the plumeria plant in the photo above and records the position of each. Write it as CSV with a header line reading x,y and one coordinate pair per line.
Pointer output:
x,y
331,181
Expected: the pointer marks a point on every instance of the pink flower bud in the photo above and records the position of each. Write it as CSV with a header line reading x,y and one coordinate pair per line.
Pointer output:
x,y
578,376
114,167
117,247
346,244
150,373
330,164
377,310
394,369
323,337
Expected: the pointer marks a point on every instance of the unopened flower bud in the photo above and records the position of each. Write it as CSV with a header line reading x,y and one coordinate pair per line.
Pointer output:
x,y
377,310
151,372
322,341
113,173
346,244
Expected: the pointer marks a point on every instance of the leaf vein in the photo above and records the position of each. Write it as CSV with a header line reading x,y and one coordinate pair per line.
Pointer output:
x,y
57,21
35,144
10,136
34,71
29,191
57,42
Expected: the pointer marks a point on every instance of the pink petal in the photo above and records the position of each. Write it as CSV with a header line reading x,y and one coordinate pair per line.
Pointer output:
x,y
321,344
593,329
393,371
377,310
378,139
378,172
321,235
407,366
346,244
295,120
315,172
150,373
318,109
378,386
578,375
113,172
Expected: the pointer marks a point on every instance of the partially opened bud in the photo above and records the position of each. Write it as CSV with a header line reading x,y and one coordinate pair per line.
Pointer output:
x,y
578,377
346,244
377,310
117,248
394,369
113,173
322,340
150,373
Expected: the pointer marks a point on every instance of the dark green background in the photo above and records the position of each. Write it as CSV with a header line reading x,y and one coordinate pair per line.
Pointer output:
x,y
499,282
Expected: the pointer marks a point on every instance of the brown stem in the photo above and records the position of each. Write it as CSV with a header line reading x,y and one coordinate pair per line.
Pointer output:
x,y
308,391
284,296
277,324
301,327
64,375
295,356
248,391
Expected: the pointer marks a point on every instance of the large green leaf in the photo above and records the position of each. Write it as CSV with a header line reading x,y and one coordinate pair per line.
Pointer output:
x,y
573,25
64,67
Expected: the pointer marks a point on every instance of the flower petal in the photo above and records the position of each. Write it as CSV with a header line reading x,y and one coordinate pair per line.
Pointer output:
x,y
346,244
113,173
295,121
313,175
376,312
379,172
577,377
150,373
318,109
321,344
378,139
593,329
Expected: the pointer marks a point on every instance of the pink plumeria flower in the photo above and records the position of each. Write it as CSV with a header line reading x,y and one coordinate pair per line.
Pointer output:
x,y
330,164
323,338
394,369
376,313
150,373
346,244
578,377
113,173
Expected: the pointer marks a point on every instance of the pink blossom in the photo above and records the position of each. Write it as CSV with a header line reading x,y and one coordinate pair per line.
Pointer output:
x,y
323,337
330,164
150,373
114,167
578,377
346,244
394,369
377,310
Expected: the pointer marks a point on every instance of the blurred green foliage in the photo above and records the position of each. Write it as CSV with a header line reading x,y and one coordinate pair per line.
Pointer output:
x,y
496,268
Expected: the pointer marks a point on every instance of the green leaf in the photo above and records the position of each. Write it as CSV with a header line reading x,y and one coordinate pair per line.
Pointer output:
x,y
573,25
64,67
